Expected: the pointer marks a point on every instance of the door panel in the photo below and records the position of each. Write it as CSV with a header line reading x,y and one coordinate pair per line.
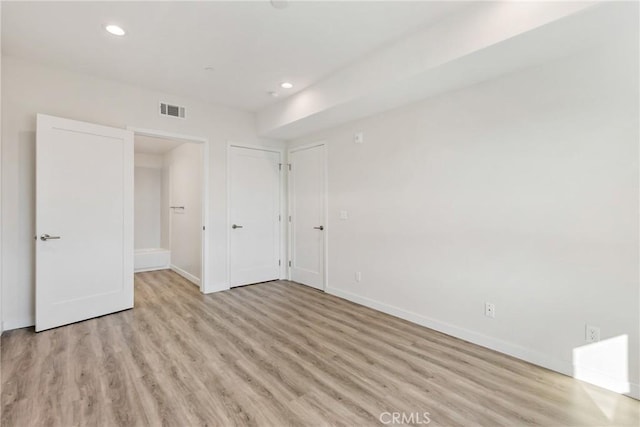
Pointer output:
x,y
308,228
84,196
254,209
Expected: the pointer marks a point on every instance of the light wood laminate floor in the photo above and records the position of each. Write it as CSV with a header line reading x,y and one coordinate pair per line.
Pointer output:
x,y
276,354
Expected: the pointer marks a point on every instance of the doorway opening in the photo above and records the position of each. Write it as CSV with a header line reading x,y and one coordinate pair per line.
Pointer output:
x,y
170,204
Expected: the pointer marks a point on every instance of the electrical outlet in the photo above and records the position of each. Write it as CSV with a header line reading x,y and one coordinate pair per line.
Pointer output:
x,y
358,276
591,333
489,309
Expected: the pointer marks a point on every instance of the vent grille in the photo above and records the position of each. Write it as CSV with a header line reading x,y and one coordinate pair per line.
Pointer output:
x,y
172,110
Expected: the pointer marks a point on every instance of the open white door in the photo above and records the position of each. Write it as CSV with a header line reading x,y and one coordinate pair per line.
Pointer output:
x,y
84,221
254,211
307,195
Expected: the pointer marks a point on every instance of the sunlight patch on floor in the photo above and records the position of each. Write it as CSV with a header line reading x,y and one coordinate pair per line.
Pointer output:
x,y
605,364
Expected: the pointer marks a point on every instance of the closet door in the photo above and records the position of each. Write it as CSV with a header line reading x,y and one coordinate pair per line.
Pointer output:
x,y
307,196
254,214
84,221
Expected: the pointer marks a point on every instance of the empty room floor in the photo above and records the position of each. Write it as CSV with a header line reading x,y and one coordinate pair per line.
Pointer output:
x,y
277,354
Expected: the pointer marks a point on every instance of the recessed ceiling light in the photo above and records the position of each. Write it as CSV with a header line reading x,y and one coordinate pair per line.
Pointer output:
x,y
286,85
115,30
274,94
208,68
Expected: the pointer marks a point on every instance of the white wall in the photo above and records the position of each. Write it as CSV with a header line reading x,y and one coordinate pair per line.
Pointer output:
x,y
148,200
184,166
147,207
31,88
165,214
148,160
521,191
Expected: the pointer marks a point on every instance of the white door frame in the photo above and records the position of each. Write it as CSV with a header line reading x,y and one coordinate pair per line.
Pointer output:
x,y
325,219
205,274
283,229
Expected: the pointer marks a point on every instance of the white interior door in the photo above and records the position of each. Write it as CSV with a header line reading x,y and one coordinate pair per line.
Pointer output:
x,y
84,221
254,215
307,194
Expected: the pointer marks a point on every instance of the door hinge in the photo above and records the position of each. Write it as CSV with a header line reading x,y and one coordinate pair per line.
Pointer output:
x,y
279,166
279,217
289,263
289,166
279,262
203,228
289,218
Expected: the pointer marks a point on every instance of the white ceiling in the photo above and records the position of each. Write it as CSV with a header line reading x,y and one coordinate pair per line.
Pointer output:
x,y
251,45
150,145
483,42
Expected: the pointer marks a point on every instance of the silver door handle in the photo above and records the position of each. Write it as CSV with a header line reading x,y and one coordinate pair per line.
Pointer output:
x,y
236,226
46,237
319,228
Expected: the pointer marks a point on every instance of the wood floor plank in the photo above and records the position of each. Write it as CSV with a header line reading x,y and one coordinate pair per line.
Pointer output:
x,y
276,354
380,391
390,354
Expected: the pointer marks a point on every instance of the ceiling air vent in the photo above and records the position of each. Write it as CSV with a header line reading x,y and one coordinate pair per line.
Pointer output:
x,y
172,110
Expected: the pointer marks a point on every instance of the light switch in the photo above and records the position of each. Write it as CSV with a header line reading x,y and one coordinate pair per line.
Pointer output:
x,y
358,138
344,215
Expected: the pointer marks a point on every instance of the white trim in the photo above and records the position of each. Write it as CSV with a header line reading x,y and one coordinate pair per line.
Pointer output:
x,y
228,215
166,135
146,270
634,391
519,352
600,379
255,147
25,322
206,286
327,228
190,277
283,238
284,197
205,283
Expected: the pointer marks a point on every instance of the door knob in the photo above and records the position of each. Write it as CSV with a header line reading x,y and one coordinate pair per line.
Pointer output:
x,y
234,226
46,237
319,228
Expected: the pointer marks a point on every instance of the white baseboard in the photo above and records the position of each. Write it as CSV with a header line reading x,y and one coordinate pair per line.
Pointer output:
x,y
634,391
216,287
591,376
190,277
9,325
144,270
531,356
